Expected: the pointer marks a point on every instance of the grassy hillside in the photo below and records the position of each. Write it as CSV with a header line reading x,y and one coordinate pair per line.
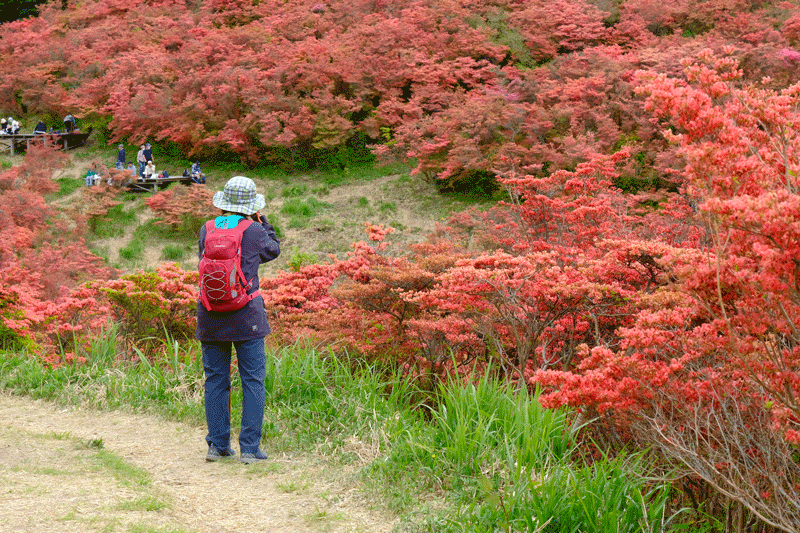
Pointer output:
x,y
315,214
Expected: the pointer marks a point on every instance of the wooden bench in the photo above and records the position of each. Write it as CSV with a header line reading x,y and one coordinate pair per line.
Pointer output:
x,y
21,141
154,184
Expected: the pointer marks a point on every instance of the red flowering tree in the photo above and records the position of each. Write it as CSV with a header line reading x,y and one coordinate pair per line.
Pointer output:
x,y
183,208
719,342
150,305
457,84
356,302
42,256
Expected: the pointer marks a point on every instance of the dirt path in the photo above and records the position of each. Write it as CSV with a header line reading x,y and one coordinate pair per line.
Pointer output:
x,y
72,470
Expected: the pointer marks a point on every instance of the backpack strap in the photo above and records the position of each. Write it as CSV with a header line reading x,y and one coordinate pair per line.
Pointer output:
x,y
245,282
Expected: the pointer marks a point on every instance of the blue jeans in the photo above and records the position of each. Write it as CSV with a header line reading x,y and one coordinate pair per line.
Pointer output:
x,y
252,368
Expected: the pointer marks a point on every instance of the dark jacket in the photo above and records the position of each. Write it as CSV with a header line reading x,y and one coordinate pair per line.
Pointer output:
x,y
259,245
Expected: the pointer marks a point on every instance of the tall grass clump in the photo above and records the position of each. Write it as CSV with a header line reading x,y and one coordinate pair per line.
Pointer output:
x,y
175,252
303,208
300,259
134,250
475,421
606,496
507,464
300,211
473,431
171,385
320,400
114,223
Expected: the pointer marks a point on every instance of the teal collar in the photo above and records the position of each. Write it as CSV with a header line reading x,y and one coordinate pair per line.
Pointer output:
x,y
228,221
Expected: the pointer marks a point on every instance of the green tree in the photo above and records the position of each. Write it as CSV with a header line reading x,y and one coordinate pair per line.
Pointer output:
x,y
18,9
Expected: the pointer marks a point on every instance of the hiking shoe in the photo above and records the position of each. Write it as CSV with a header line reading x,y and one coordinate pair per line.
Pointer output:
x,y
215,454
253,457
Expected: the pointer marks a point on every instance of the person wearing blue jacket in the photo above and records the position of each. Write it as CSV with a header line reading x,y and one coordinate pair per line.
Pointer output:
x,y
120,164
148,153
243,329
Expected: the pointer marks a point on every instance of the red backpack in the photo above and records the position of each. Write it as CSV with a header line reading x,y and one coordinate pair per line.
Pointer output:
x,y
223,286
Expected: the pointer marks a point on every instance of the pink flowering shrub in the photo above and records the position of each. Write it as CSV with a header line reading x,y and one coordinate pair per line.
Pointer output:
x,y
183,208
792,57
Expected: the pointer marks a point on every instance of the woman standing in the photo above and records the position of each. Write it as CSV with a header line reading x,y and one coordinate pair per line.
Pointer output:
x,y
140,160
243,329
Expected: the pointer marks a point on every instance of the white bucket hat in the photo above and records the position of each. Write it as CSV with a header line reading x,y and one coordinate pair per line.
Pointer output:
x,y
239,196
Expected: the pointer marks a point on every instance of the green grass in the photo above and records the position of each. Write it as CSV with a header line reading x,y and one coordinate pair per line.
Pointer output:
x,y
173,387
143,503
175,252
303,208
488,455
293,191
151,230
134,250
361,172
66,186
126,473
297,222
114,224
300,259
300,211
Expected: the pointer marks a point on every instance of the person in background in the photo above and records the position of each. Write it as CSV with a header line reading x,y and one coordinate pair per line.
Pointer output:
x,y
140,160
120,164
148,152
197,174
40,128
150,170
92,177
243,329
69,124
131,168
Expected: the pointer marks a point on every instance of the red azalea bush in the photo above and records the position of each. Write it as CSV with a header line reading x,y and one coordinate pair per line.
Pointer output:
x,y
182,208
708,373
675,327
151,306
42,255
467,88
